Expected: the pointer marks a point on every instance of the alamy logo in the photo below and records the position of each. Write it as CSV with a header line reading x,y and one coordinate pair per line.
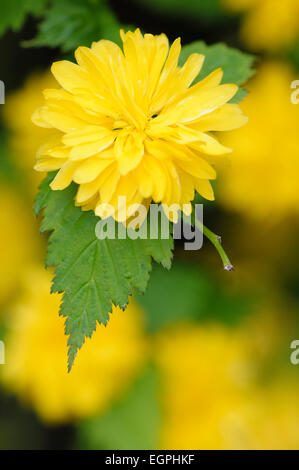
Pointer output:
x,y
2,353
2,92
152,224
294,358
295,94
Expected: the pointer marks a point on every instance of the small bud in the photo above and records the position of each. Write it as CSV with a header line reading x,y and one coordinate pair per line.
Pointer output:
x,y
229,267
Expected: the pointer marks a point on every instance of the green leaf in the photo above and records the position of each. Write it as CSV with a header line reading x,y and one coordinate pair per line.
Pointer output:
x,y
43,196
192,9
72,23
132,424
92,273
193,294
292,54
14,12
8,171
236,65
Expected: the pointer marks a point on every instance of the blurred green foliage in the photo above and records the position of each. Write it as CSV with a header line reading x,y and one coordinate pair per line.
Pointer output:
x,y
136,417
14,12
8,171
189,293
293,55
210,10
72,23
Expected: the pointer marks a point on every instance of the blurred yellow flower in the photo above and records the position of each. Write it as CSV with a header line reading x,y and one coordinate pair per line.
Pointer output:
x,y
212,397
204,370
129,124
25,138
18,239
262,180
268,24
272,416
36,352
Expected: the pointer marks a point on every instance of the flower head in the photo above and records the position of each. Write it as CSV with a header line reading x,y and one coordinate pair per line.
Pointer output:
x,y
36,348
18,241
268,24
130,124
215,394
262,181
24,138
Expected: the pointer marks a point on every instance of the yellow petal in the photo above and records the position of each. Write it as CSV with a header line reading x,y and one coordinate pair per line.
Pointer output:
x,y
70,76
59,152
210,145
171,62
38,118
87,191
158,175
124,197
108,187
226,118
190,70
58,118
210,81
65,103
103,108
204,188
187,209
90,169
156,49
83,151
145,181
197,105
50,146
187,186
129,150
198,167
174,194
64,176
171,212
49,164
88,205
169,72
85,135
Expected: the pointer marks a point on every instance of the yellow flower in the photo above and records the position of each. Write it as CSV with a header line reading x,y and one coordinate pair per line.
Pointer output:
x,y
129,124
17,239
262,181
36,351
269,24
204,370
273,415
25,138
212,395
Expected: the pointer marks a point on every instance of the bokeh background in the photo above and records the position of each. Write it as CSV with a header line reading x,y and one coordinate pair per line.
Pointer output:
x,y
202,360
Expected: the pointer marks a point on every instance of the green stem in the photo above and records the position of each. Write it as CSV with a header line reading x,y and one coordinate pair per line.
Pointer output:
x,y
216,240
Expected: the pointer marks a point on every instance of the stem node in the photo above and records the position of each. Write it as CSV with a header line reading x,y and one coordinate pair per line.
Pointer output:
x,y
216,241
